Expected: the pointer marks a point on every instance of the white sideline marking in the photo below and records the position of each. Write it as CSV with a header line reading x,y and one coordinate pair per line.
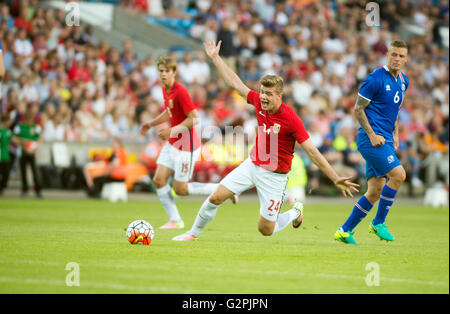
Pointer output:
x,y
262,272
113,286
353,277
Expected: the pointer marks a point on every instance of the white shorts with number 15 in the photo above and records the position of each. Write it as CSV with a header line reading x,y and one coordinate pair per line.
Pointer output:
x,y
181,162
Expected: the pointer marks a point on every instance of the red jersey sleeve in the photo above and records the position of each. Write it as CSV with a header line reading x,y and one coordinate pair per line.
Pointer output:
x,y
185,101
299,131
253,99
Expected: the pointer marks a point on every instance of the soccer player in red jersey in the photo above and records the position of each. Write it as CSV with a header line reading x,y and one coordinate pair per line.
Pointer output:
x,y
267,168
182,150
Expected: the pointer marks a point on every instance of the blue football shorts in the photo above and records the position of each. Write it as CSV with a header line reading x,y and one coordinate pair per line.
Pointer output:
x,y
379,160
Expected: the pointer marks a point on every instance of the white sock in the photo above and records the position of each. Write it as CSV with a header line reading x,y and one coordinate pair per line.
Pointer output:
x,y
206,213
285,218
166,198
197,188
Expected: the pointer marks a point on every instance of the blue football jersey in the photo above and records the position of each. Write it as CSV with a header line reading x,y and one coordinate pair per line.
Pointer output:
x,y
386,97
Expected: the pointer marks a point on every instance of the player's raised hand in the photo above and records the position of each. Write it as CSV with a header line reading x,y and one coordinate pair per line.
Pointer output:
x,y
346,186
211,48
376,140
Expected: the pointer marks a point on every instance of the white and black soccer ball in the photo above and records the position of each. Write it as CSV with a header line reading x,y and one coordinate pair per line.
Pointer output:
x,y
140,232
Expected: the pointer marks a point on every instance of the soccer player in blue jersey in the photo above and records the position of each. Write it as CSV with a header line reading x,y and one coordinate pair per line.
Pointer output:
x,y
380,98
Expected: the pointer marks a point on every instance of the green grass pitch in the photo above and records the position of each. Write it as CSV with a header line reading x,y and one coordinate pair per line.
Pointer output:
x,y
38,238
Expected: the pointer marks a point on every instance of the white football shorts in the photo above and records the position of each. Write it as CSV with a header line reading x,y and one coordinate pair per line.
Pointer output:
x,y
181,162
270,186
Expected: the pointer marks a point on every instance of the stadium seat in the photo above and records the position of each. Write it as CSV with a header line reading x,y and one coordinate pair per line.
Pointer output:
x,y
115,191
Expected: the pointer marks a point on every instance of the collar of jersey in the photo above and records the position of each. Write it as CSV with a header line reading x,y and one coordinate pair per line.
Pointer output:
x,y
174,83
387,70
280,110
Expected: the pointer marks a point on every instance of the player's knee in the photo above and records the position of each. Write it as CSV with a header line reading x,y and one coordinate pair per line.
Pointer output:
x,y
399,176
215,199
181,190
402,175
265,230
159,182
373,194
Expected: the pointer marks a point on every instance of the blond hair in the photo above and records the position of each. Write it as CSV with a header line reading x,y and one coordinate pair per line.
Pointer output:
x,y
167,62
273,81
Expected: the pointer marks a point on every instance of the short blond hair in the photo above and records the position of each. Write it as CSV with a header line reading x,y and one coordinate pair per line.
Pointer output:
x,y
273,81
167,62
398,44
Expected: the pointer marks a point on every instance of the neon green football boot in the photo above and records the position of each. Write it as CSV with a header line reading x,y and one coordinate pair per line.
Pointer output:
x,y
381,231
345,237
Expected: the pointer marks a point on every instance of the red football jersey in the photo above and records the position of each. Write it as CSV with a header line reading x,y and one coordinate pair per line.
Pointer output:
x,y
178,104
276,136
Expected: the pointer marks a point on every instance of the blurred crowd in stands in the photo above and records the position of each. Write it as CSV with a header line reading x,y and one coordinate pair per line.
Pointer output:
x,y
81,89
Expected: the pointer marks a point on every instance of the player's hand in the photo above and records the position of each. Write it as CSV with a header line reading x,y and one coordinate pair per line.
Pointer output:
x,y
144,128
346,186
376,140
164,134
211,49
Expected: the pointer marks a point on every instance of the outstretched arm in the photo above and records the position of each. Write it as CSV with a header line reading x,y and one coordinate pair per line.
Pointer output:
x,y
231,78
342,183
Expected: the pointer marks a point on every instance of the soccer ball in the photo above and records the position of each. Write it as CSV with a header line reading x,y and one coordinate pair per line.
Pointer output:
x,y
140,232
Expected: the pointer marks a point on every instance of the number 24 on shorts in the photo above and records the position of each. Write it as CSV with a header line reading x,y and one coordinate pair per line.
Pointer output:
x,y
277,206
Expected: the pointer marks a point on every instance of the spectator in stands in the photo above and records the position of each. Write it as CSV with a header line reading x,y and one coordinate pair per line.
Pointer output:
x,y
186,69
197,29
54,129
270,60
150,70
23,46
22,21
6,17
128,62
329,41
202,72
74,131
78,71
302,90
228,51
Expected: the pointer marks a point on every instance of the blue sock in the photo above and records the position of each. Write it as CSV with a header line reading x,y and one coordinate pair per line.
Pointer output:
x,y
386,200
360,210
